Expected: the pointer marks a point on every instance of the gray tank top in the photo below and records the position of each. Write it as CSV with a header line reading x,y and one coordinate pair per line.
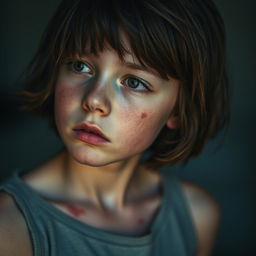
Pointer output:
x,y
54,233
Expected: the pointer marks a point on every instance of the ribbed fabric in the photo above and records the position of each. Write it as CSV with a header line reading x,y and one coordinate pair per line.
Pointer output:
x,y
54,233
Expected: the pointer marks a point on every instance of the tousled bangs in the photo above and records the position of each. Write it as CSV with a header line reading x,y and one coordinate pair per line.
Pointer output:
x,y
89,28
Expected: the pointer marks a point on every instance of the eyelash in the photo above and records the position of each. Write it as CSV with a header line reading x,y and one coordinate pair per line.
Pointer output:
x,y
140,82
71,68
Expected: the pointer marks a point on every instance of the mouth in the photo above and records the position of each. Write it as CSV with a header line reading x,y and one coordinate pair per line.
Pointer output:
x,y
87,130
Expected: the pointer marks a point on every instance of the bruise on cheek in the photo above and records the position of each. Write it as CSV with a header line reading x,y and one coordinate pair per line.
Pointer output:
x,y
143,115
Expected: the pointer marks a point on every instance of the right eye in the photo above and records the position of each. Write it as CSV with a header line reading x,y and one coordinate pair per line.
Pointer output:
x,y
80,67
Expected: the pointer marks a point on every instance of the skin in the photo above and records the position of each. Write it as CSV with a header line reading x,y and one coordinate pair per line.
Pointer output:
x,y
102,174
100,93
75,211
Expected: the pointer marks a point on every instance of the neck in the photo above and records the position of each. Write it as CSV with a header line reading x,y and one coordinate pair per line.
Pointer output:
x,y
107,187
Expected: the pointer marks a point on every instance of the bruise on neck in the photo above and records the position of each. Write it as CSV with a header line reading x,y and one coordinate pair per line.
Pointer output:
x,y
75,211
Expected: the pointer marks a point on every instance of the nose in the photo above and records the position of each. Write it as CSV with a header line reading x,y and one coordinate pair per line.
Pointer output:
x,y
96,99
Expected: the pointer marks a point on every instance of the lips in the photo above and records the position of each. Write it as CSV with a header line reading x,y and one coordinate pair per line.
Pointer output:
x,y
90,129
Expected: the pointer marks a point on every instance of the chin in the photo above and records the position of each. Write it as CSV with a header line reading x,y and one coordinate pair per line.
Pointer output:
x,y
95,159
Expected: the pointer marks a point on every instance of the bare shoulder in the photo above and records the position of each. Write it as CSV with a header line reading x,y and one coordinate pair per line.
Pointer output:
x,y
14,235
205,212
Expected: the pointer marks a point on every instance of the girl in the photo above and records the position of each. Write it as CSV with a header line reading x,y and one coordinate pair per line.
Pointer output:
x,y
130,87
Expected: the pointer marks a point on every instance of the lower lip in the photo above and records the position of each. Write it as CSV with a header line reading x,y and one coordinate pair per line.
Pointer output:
x,y
89,138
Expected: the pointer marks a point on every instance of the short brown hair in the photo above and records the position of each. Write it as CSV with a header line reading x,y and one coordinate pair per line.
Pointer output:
x,y
183,39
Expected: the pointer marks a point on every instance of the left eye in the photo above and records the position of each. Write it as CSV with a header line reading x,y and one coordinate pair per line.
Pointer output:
x,y
80,67
134,83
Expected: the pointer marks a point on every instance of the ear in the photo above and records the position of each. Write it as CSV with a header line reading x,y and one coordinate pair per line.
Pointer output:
x,y
173,122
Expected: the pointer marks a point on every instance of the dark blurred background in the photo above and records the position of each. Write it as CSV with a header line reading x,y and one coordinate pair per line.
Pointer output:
x,y
228,174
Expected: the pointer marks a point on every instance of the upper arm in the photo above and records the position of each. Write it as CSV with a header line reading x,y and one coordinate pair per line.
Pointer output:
x,y
205,212
14,235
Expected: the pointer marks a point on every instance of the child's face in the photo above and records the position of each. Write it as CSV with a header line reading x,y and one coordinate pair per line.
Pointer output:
x,y
111,94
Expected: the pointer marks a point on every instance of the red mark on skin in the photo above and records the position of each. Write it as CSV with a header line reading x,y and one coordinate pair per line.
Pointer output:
x,y
143,115
75,211
141,221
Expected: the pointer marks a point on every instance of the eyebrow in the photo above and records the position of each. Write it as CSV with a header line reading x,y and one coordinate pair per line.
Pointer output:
x,y
136,66
140,67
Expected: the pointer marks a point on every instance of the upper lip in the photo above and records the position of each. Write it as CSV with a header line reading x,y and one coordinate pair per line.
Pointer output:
x,y
91,128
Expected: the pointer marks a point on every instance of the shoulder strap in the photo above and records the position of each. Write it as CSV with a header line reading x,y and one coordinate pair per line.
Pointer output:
x,y
22,199
181,210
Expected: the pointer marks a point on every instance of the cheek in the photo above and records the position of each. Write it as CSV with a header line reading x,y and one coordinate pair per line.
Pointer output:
x,y
65,101
64,94
139,129
143,115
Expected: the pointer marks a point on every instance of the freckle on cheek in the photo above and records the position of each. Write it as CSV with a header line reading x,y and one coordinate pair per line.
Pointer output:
x,y
143,115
